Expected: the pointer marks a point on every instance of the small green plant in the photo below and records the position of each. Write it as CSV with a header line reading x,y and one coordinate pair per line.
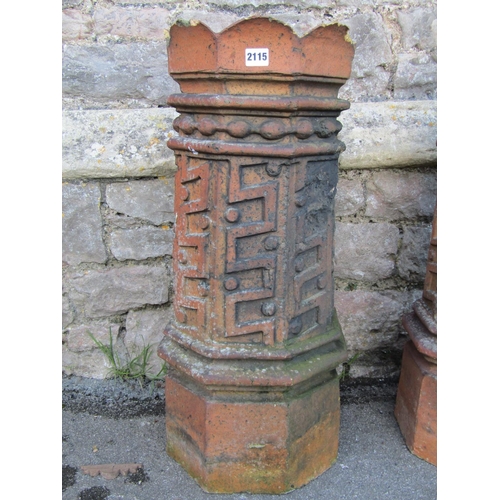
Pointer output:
x,y
133,367
347,366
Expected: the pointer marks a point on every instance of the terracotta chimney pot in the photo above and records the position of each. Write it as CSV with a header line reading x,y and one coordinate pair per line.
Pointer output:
x,y
252,397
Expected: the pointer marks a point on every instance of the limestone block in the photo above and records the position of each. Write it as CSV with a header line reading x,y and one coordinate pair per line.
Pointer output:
x,y
141,243
132,143
117,143
111,291
349,198
145,328
373,87
84,364
71,3
146,23
76,25
81,224
374,3
67,312
165,3
411,3
356,3
412,258
136,70
298,4
365,252
419,28
416,77
151,200
78,338
397,195
369,319
266,3
371,40
389,134
301,23
216,21
369,77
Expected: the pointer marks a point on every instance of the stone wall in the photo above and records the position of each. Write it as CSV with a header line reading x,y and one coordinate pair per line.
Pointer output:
x,y
118,172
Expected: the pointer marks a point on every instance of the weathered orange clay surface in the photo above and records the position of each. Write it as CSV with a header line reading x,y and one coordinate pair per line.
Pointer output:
x,y
416,404
324,52
235,446
252,396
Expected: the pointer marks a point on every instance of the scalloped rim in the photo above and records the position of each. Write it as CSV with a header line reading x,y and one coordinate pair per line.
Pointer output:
x,y
184,22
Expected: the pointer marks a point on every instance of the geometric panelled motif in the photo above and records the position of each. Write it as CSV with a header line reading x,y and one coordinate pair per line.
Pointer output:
x,y
191,271
251,257
268,279
311,227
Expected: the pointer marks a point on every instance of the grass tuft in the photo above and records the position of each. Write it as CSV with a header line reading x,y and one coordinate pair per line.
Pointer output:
x,y
137,367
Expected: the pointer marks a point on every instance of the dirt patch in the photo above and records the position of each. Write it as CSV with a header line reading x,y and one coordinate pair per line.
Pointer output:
x,y
113,398
94,493
125,399
68,476
138,477
367,390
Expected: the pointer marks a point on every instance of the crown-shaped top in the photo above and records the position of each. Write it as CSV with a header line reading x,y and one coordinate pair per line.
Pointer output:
x,y
260,46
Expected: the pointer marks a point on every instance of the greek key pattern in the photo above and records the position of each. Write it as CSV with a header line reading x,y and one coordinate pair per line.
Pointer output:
x,y
312,224
251,252
191,242
254,265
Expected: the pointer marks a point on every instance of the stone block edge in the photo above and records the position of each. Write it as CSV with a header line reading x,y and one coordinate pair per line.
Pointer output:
x,y
389,134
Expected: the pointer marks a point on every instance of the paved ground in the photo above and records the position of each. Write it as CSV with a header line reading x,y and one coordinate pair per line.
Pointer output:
x,y
373,461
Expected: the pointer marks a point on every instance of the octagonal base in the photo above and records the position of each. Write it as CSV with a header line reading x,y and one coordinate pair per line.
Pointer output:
x,y
253,441
416,404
